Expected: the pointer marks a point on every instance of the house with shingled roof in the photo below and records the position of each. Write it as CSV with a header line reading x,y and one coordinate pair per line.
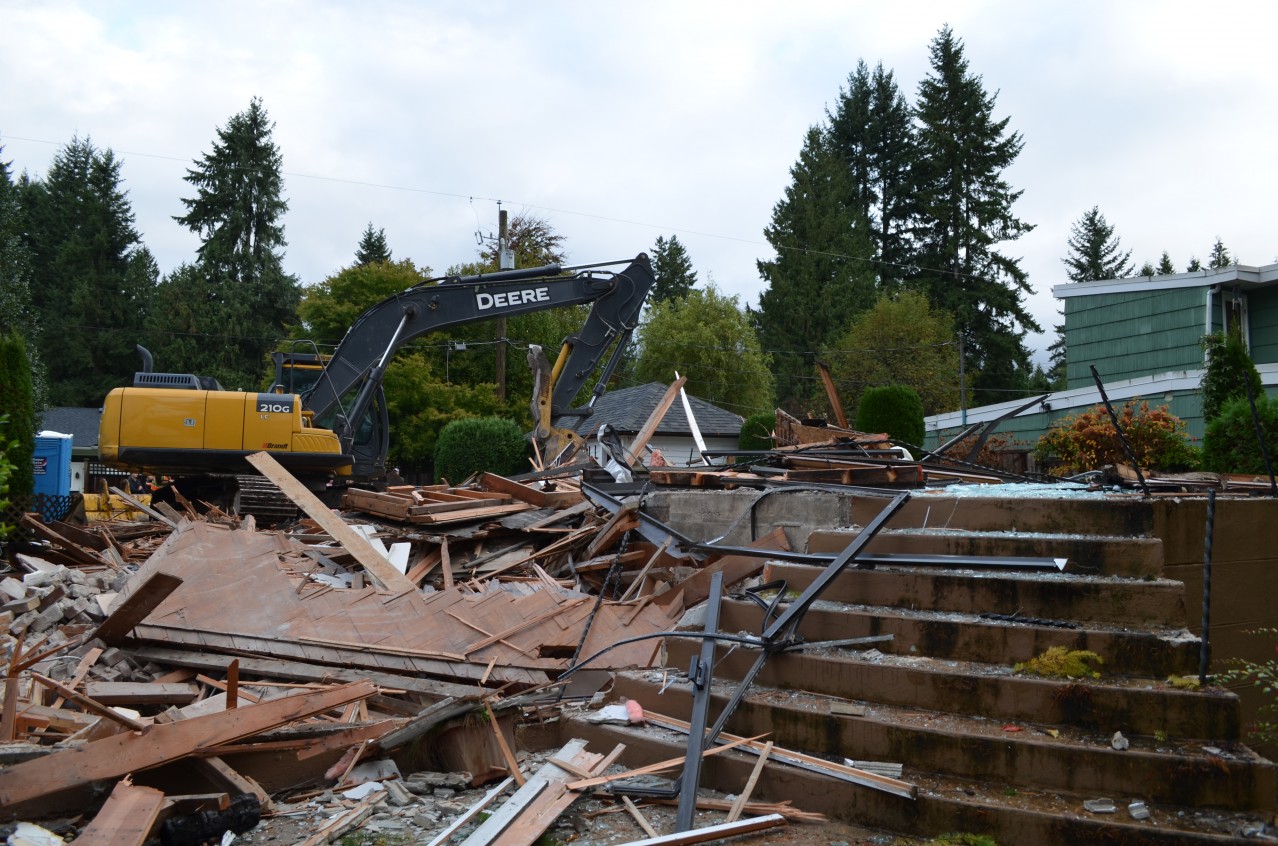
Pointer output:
x,y
627,410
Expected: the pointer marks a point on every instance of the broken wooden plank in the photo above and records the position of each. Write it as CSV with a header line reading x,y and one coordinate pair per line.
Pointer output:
x,y
470,813
669,763
802,760
144,508
141,693
134,609
128,816
511,764
114,756
696,588
739,805
529,494
89,704
355,544
650,425
71,549
638,816
712,832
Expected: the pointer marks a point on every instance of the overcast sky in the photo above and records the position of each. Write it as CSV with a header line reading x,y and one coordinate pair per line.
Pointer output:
x,y
619,122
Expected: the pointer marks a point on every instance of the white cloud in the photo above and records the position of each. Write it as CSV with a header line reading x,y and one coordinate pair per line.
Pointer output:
x,y
623,122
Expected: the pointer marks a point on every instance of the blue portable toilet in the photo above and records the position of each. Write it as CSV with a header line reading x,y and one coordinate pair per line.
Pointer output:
x,y
52,466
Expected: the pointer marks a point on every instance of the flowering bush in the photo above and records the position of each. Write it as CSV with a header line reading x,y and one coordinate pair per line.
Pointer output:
x,y
1088,441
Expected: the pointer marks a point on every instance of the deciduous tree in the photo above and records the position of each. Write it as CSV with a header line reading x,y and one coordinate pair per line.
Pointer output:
x,y
708,338
901,340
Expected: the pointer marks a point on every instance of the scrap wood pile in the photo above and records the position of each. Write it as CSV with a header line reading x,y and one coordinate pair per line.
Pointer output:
x,y
240,665
808,453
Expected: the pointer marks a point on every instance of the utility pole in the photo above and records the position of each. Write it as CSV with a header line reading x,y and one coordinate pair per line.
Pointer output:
x,y
502,261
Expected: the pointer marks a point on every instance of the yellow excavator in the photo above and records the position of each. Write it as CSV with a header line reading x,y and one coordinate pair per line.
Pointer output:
x,y
325,416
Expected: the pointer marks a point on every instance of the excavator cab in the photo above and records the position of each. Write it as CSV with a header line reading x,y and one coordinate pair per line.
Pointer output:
x,y
298,373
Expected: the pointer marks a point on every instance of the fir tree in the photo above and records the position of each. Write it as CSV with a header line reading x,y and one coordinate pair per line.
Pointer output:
x,y
872,131
1219,256
1194,265
16,308
1165,266
1094,250
820,277
372,247
672,269
92,279
1147,269
966,213
238,213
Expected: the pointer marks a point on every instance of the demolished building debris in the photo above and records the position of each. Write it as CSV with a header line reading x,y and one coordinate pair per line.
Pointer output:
x,y
432,642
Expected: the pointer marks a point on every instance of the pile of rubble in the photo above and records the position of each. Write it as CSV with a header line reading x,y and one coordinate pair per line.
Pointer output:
x,y
190,674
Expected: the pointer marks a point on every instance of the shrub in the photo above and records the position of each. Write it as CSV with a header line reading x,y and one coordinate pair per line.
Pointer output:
x,y
756,432
1088,441
6,472
895,409
1229,443
1229,369
1262,675
475,444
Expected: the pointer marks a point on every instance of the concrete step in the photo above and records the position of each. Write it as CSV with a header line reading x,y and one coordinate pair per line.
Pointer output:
x,y
1059,596
1134,707
966,637
1028,759
943,804
1085,553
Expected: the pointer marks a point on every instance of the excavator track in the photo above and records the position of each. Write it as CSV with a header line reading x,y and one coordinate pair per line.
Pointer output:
x,y
260,497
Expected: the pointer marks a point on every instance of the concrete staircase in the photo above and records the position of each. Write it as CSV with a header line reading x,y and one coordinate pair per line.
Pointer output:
x,y
992,751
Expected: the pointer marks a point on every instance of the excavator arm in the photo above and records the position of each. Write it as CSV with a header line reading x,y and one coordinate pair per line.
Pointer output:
x,y
354,374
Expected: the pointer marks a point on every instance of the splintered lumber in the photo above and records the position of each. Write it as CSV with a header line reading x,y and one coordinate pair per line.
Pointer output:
x,y
511,764
471,812
539,802
650,425
72,550
112,757
134,609
344,821
639,817
144,508
529,494
356,544
126,819
696,588
89,704
712,832
669,763
801,760
739,805
142,693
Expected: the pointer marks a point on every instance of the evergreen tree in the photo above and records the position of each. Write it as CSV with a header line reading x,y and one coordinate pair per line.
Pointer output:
x,y
672,269
17,408
1194,265
372,247
1147,269
1165,266
819,279
238,213
16,308
1219,256
872,131
966,210
1094,250
92,279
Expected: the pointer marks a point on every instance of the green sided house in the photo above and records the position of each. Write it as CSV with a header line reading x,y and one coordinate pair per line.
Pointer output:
x,y
1142,334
